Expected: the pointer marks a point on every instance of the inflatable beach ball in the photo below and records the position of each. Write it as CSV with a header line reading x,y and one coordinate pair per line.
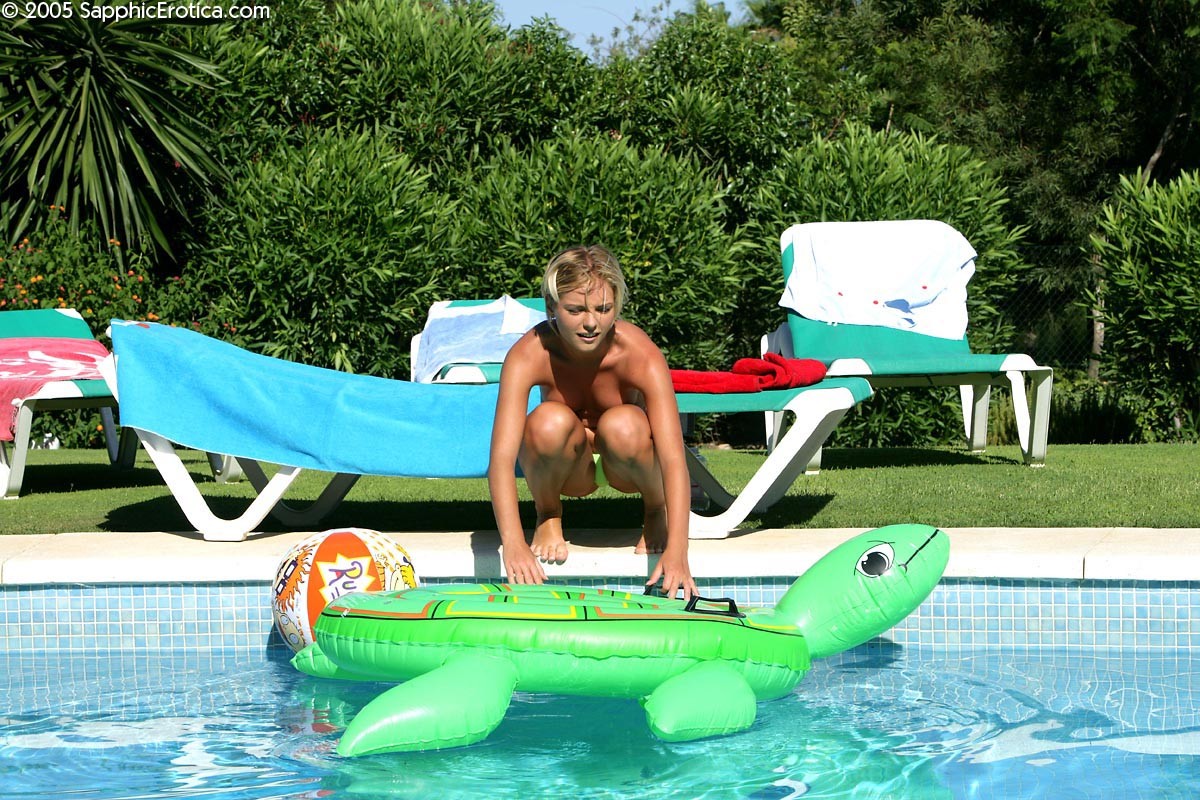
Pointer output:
x,y
330,564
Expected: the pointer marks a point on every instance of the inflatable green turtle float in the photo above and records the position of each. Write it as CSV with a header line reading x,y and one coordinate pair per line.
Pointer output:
x,y
698,668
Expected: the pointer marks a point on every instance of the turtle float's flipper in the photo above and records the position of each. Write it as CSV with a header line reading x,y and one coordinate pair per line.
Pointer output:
x,y
458,703
312,661
675,714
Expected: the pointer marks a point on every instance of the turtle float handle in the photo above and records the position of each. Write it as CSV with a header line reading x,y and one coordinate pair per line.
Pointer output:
x,y
730,609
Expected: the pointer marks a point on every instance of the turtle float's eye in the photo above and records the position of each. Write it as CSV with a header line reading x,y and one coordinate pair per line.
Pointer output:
x,y
877,560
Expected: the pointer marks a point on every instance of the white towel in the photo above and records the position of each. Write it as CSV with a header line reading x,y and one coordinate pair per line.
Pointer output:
x,y
906,274
479,334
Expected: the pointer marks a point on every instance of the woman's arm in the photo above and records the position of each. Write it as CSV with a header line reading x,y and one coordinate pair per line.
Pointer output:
x,y
520,565
662,410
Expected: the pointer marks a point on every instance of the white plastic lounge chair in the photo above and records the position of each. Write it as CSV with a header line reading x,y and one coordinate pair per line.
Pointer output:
x,y
178,387
817,410
465,340
887,301
21,328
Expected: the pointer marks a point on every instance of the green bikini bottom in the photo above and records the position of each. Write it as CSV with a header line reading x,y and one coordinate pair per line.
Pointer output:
x,y
601,478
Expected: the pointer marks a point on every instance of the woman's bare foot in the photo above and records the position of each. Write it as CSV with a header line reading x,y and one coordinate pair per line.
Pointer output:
x,y
548,542
654,532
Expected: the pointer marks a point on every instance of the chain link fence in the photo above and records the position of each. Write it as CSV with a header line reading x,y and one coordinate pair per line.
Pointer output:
x,y
1053,326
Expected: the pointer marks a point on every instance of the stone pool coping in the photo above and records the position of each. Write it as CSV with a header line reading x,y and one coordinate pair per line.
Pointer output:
x,y
1017,553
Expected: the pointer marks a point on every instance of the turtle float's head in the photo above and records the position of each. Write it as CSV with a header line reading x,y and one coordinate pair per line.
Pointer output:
x,y
865,586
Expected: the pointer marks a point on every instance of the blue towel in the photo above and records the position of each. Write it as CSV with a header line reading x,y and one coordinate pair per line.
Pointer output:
x,y
209,395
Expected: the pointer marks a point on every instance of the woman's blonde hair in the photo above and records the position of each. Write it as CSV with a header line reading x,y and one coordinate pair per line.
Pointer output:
x,y
579,268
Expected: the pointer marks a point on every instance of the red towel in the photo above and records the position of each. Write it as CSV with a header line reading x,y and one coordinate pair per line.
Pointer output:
x,y
772,371
28,364
697,382
776,372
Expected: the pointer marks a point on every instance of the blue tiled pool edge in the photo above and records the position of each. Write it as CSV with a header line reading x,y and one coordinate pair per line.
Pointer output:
x,y
961,613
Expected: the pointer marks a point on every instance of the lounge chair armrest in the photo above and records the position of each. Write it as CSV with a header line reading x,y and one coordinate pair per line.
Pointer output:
x,y
777,341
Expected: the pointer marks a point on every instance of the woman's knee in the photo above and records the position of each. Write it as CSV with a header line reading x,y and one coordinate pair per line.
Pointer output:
x,y
552,428
623,432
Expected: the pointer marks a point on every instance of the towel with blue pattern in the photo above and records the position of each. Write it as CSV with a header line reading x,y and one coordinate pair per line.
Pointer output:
x,y
210,395
471,334
906,274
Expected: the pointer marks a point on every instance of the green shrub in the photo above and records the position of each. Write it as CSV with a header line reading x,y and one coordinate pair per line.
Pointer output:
x,y
442,80
446,83
663,217
277,77
902,418
704,88
1149,246
329,253
1089,411
57,267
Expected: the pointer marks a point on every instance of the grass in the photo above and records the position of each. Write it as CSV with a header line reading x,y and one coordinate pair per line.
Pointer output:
x,y
1154,486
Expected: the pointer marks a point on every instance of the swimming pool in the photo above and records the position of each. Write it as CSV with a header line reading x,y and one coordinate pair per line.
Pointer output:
x,y
993,688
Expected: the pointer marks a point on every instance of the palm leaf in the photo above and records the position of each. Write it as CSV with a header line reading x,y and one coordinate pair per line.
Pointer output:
x,y
90,119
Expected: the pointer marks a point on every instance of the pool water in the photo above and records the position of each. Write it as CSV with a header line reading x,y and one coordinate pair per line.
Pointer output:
x,y
880,721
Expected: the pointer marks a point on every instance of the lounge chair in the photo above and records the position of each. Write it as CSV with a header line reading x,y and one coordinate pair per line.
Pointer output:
x,y
816,409
887,301
49,363
178,387
449,356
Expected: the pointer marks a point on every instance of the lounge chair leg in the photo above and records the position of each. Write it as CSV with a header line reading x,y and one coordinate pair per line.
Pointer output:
x,y
127,447
13,467
195,507
814,463
334,492
225,469
1020,409
817,414
110,434
6,472
976,399
1039,419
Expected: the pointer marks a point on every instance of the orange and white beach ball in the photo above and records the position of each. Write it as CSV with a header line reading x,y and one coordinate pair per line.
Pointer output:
x,y
328,565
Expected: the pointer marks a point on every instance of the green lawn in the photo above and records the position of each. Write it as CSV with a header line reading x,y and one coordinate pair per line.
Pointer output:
x,y
1081,486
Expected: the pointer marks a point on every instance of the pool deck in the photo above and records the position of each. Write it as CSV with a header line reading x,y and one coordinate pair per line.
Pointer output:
x,y
1011,553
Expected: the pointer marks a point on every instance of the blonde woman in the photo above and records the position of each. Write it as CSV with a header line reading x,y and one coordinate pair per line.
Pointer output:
x,y
608,415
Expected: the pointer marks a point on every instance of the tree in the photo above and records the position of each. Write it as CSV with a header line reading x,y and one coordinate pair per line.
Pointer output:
x,y
1059,95
90,121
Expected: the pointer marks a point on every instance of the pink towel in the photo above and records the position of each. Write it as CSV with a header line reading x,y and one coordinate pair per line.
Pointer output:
x,y
28,364
772,371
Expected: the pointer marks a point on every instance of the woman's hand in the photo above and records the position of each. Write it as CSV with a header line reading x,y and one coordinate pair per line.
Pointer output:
x,y
674,572
521,565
